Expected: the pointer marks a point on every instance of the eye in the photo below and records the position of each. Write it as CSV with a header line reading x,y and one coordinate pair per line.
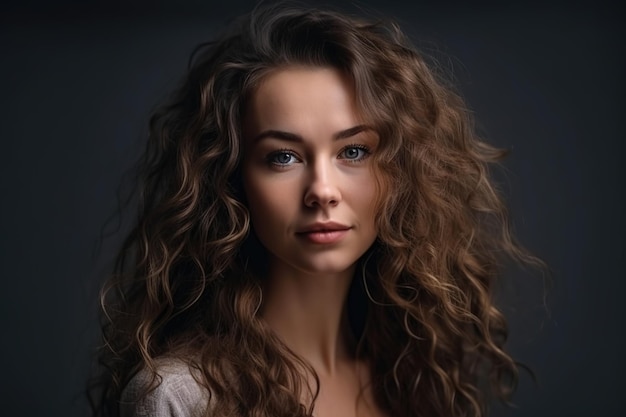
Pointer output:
x,y
282,158
354,153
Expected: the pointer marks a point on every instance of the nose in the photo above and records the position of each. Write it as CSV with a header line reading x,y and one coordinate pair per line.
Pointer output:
x,y
322,188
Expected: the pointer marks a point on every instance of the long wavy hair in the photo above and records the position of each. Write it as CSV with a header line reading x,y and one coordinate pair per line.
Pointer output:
x,y
187,281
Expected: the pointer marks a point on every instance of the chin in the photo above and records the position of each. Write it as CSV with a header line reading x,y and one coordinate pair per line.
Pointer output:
x,y
327,265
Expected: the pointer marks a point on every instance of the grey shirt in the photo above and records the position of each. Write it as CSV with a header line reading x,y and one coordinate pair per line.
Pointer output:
x,y
178,395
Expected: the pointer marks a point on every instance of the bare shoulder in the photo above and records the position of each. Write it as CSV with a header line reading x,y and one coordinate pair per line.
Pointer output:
x,y
178,394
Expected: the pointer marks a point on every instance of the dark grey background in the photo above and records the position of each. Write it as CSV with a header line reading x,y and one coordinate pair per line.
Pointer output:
x,y
79,80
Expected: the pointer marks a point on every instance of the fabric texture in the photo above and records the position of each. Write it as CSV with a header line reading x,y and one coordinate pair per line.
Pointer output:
x,y
178,394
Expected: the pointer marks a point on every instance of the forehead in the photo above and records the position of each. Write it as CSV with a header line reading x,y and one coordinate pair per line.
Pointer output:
x,y
307,79
300,96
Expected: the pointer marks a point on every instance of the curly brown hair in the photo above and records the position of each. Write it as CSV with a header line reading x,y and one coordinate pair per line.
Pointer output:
x,y
186,281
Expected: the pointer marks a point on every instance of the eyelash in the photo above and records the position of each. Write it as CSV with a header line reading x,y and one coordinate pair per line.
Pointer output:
x,y
364,148
271,157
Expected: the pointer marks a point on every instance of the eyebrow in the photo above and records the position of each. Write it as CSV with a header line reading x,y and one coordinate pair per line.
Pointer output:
x,y
292,137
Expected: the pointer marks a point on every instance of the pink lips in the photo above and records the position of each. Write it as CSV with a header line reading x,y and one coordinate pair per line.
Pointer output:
x,y
321,233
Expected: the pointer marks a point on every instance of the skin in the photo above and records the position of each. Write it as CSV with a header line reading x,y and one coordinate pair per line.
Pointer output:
x,y
307,162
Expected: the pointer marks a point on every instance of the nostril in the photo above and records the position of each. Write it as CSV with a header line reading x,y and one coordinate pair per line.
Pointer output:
x,y
322,197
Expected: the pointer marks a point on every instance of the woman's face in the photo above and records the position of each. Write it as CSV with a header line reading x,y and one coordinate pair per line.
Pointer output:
x,y
307,171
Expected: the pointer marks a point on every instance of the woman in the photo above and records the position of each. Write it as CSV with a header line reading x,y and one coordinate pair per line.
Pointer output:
x,y
317,235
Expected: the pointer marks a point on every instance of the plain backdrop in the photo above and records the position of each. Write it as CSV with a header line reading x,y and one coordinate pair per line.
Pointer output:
x,y
545,80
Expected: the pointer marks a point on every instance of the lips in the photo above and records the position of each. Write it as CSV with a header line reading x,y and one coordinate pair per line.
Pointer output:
x,y
324,227
328,232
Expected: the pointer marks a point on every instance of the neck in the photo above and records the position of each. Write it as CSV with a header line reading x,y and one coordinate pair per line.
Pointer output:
x,y
308,313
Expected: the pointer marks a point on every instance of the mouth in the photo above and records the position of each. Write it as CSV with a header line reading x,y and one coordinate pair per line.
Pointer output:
x,y
323,233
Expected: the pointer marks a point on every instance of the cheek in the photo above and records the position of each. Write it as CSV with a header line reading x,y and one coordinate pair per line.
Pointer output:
x,y
268,202
364,194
